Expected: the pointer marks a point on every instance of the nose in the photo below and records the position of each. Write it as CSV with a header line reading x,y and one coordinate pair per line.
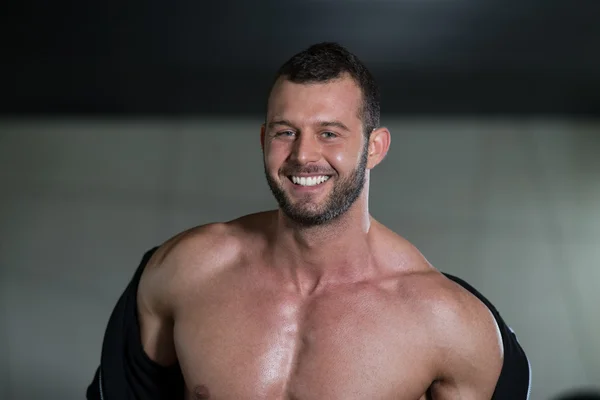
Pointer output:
x,y
306,149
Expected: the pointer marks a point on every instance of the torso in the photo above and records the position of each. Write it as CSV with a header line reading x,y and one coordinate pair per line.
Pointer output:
x,y
244,332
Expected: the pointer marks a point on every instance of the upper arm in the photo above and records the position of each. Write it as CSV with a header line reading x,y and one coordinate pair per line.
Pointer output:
x,y
173,269
472,351
155,287
154,305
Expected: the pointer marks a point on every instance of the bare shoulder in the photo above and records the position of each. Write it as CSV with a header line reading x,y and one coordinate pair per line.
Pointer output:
x,y
448,303
177,271
192,257
456,311
208,245
461,329
467,340
465,335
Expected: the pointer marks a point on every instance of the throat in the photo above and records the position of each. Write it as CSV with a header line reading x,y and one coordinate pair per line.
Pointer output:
x,y
310,269
339,251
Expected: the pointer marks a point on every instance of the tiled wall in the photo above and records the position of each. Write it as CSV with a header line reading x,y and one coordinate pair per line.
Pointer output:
x,y
511,206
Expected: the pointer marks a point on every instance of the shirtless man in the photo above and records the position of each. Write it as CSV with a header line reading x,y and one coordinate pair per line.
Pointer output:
x,y
317,299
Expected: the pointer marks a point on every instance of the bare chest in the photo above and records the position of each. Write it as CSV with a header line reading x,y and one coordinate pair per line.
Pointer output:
x,y
347,344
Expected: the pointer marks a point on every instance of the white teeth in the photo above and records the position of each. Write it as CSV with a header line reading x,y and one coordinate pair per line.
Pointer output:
x,y
309,181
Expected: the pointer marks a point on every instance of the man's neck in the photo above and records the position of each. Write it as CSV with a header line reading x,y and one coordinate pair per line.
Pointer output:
x,y
338,251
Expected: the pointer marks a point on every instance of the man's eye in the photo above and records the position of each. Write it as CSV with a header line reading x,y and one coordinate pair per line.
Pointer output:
x,y
286,133
328,135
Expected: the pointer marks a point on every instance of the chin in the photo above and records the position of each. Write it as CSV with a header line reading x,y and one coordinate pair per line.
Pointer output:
x,y
308,217
307,220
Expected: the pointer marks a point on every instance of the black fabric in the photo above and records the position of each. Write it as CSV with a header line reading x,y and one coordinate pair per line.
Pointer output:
x,y
125,371
515,379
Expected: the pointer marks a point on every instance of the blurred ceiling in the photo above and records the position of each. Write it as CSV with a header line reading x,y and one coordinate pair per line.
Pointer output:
x,y
185,57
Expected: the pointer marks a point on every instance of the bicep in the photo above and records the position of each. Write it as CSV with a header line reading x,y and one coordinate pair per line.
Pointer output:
x,y
171,275
473,355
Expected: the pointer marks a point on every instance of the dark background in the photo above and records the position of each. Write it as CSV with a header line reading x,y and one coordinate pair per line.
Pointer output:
x,y
191,57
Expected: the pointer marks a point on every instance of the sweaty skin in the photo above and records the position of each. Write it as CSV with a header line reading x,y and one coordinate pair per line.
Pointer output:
x,y
306,302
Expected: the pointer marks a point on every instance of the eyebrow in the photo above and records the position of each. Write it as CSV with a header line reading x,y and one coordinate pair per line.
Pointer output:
x,y
336,124
285,122
279,122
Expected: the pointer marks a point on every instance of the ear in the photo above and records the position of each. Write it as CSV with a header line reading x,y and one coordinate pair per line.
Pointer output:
x,y
379,144
262,137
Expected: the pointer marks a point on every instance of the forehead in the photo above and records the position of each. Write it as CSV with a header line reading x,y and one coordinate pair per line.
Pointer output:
x,y
305,103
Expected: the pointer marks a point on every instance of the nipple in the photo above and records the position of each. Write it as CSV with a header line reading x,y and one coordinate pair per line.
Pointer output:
x,y
201,392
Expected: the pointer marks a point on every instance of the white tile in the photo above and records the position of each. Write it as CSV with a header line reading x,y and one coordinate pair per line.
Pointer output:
x,y
220,159
4,344
511,187
519,277
450,249
97,244
570,156
54,335
432,168
580,273
85,154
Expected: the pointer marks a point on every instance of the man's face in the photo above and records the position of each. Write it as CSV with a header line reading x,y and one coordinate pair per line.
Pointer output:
x,y
315,153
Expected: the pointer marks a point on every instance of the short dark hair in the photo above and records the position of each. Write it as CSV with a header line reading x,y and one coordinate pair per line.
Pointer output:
x,y
326,61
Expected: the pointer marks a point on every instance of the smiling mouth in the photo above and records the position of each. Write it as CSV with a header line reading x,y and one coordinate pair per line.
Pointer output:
x,y
308,180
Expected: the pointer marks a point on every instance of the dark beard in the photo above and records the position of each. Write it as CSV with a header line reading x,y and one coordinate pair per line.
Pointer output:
x,y
345,193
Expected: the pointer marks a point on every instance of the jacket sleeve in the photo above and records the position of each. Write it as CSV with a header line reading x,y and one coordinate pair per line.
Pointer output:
x,y
125,371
